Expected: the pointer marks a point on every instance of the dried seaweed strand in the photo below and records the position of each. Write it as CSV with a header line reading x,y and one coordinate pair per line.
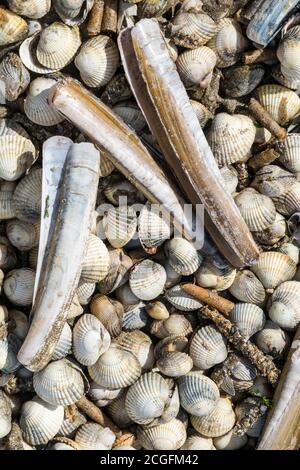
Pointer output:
x,y
209,297
266,120
263,158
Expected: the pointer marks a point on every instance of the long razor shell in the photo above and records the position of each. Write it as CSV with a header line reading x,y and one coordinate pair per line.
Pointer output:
x,y
60,276
167,109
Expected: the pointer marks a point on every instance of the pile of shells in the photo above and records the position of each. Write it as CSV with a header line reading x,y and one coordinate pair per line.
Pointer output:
x,y
136,345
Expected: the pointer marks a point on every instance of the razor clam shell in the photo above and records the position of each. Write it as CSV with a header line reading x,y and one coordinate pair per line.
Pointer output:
x,y
5,415
139,344
257,210
93,436
81,170
208,347
181,300
14,75
16,157
13,28
33,9
147,280
272,339
272,181
182,256
247,288
168,436
6,194
215,273
248,318
198,394
218,422
119,225
280,102
153,228
90,339
174,363
9,348
64,344
290,153
18,286
274,268
284,305
95,265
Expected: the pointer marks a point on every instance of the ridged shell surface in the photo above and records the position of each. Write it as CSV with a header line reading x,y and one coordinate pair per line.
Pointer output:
x,y
93,436
17,154
208,347
290,153
18,286
218,422
90,339
198,394
192,30
181,300
64,345
147,280
274,268
153,229
36,106
195,66
96,262
34,9
168,436
246,287
280,102
182,256
27,197
284,309
119,225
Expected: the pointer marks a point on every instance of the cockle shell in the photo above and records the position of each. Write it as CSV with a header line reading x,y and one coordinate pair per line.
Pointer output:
x,y
93,436
109,312
290,153
125,295
17,154
116,368
13,28
117,411
9,348
197,442
119,225
36,106
247,288
257,210
215,273
208,347
96,262
203,114
40,421
147,280
27,52
230,178
102,396
60,383
218,422
139,344
272,181
173,277
33,257
181,300
157,310
5,415
272,339
49,52
118,272
175,324
280,102
231,137
21,323
27,197
90,339
8,257
18,286
191,30
174,363
241,80
14,76
282,80
153,228
182,256
284,308
150,8
97,61
198,394
64,344
6,194
230,441
131,115
120,191
289,202
85,291
195,66
291,250
135,317
272,234
168,436
248,318
73,12
34,9
274,268
23,235
72,421
288,53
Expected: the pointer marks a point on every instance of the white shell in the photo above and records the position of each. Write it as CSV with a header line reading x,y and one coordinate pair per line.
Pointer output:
x,y
21,323
280,102
290,153
90,339
272,339
85,291
248,318
230,441
13,27
195,66
96,262
181,300
272,180
5,415
257,210
9,348
288,53
18,286
27,197
182,256
172,276
93,436
192,29
215,273
247,288
289,202
284,308
17,154
197,442
139,344
36,106
102,396
230,177
228,43
23,235
274,268
73,11
34,9
125,295
147,280
119,225
174,363
198,394
208,347
168,436
153,228
218,422
64,344
6,194
175,324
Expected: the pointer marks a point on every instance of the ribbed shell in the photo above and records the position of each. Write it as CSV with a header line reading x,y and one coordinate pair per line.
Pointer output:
x,y
289,202
272,181
218,422
21,323
135,318
181,300
90,339
274,268
172,276
153,228
109,312
198,394
116,368
36,106
97,61
93,436
231,137
192,30
257,210
33,9
174,363
23,235
215,273
272,339
197,442
27,52
283,104
280,78
228,43
157,310
14,76
40,421
139,344
49,51
290,153
291,250
125,295
271,235
247,288
284,308
118,273
208,347
230,441
73,11
18,286
195,66
169,436
33,257
64,344
242,80
9,348
230,178
96,262
176,324
59,383
85,291
6,194
182,256
71,423
9,127
117,411
131,114
5,415
288,53
102,396
147,280
17,154
119,225
13,28
203,114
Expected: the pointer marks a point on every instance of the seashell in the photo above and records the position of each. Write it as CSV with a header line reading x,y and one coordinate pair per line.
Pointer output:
x,y
18,286
277,74
262,135
290,153
93,436
228,43
106,166
109,312
150,8
198,394
215,273
26,200
33,257
176,324
284,305
9,348
102,396
16,156
27,53
3,314
64,443
119,225
173,277
90,340
118,273
36,106
248,318
182,256
97,61
191,30
288,53
272,181
6,194
272,339
181,300
195,66
131,115
59,383
147,280
289,202
95,265
230,178
5,415
139,344
12,27
242,80
168,436
274,268
291,250
14,75
230,441
218,422
40,421
157,310
49,52
280,102
231,137
125,295
9,127
135,318
34,9
64,345
23,235
118,412
73,11
274,233
85,291
203,114
197,442
243,409
21,323
208,348
153,228
71,423
247,288
174,363
237,374
8,257
257,210
116,368
117,192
